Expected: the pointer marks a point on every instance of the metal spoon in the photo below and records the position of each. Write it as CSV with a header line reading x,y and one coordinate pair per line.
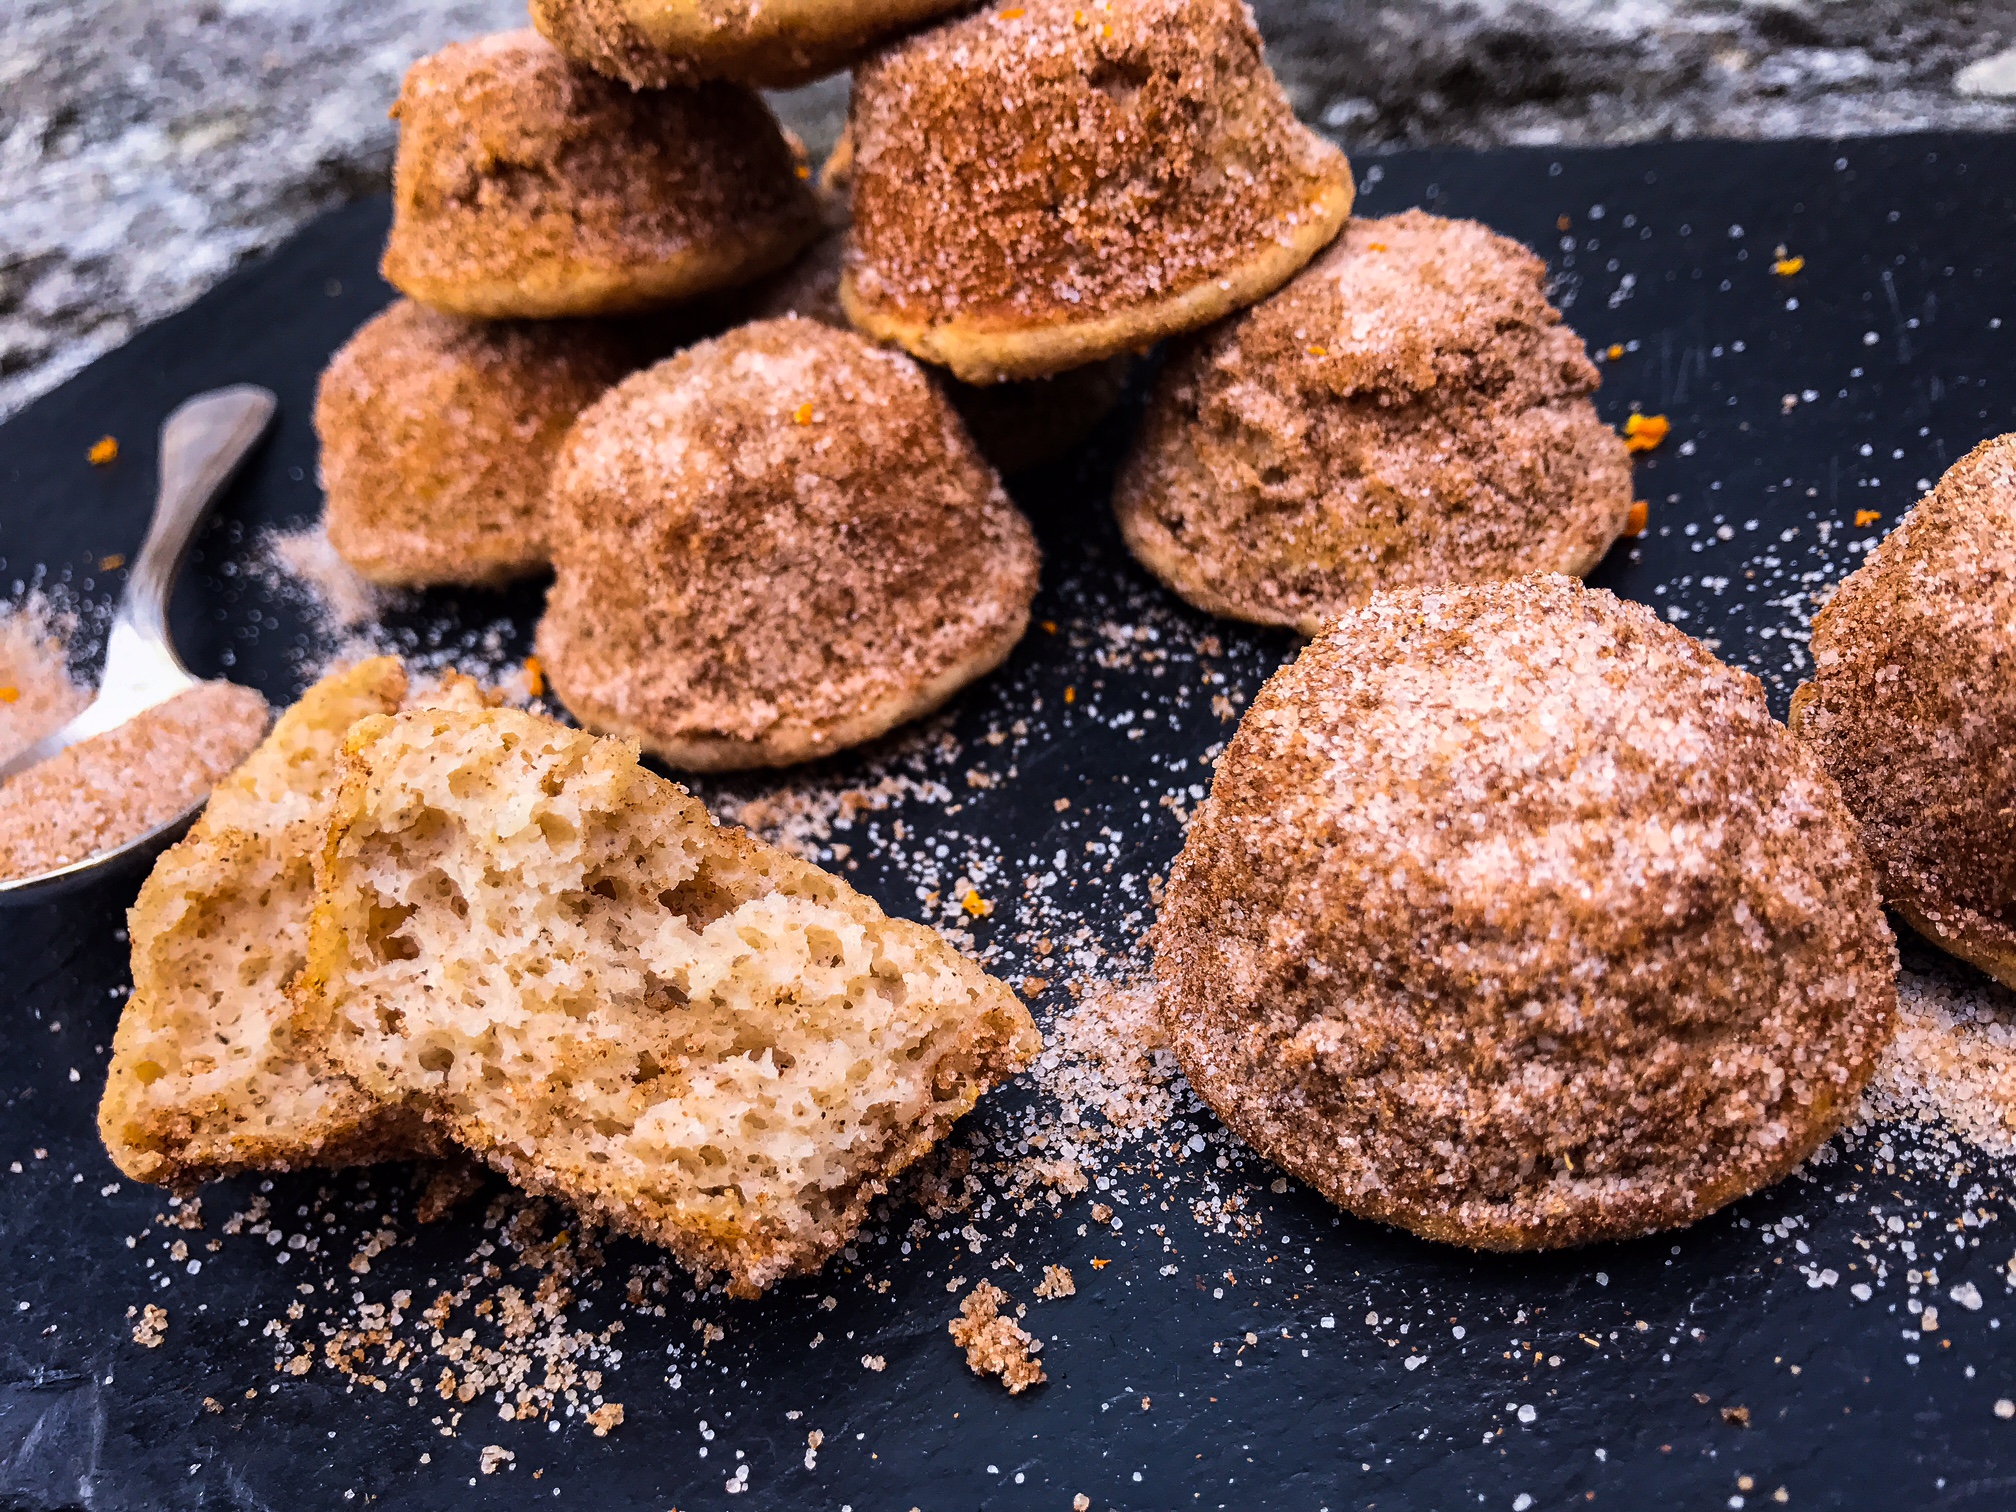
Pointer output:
x,y
202,443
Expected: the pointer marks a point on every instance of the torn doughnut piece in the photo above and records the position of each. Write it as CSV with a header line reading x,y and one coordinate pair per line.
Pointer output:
x,y
554,956
207,1075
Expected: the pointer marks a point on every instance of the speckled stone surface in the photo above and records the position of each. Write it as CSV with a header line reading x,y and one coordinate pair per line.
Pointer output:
x,y
149,146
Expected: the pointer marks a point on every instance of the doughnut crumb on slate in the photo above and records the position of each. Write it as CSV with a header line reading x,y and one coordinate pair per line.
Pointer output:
x,y
437,435
1409,411
995,1344
651,43
508,913
1048,185
1912,708
1513,918
1016,425
527,186
775,545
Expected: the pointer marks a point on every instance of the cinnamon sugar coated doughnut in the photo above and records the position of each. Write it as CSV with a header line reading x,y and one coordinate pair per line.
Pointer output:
x,y
1409,411
1054,183
772,44
1513,918
437,436
527,186
774,545
1017,425
1912,707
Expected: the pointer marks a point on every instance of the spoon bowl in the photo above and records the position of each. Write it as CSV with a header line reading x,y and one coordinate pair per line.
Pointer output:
x,y
202,444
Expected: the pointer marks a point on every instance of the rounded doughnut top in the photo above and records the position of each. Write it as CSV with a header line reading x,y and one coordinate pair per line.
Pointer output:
x,y
526,186
1409,411
1514,919
1043,186
1912,707
437,435
774,545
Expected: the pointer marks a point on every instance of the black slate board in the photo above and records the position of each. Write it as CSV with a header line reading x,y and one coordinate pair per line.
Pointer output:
x,y
1897,346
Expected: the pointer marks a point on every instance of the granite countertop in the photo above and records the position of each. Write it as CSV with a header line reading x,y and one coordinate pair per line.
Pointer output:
x,y
147,147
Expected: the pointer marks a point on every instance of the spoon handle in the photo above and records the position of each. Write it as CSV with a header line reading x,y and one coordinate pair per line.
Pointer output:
x,y
202,443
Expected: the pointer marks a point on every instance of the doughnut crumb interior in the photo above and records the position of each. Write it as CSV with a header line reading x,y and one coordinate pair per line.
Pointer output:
x,y
553,955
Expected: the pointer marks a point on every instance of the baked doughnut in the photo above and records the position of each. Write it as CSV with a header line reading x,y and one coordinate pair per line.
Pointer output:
x,y
1409,411
1053,184
525,186
774,545
1514,918
437,435
777,44
1912,707
207,1078
1017,425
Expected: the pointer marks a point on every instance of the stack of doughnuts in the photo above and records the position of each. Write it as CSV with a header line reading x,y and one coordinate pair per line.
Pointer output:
x,y
1024,200
1513,917
534,202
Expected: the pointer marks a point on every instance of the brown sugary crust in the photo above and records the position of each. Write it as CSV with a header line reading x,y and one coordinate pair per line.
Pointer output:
x,y
775,545
1016,425
1053,184
526,186
438,434
1514,919
1912,708
774,44
1409,411
599,34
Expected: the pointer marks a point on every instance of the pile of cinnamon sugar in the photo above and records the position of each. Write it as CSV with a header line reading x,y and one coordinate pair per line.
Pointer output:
x,y
103,792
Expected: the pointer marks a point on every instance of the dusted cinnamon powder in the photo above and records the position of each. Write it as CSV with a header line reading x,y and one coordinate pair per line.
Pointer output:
x,y
1515,919
774,545
1063,164
1409,411
97,795
1912,707
526,186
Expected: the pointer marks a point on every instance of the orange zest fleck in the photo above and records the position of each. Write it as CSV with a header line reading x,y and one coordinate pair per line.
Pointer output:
x,y
1562,223
535,676
1634,522
1867,517
1644,432
1012,15
1316,351
105,449
1101,1264
113,562
1614,351
976,906
1070,695
1785,267
1377,246
10,694
803,170
1049,627
803,414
